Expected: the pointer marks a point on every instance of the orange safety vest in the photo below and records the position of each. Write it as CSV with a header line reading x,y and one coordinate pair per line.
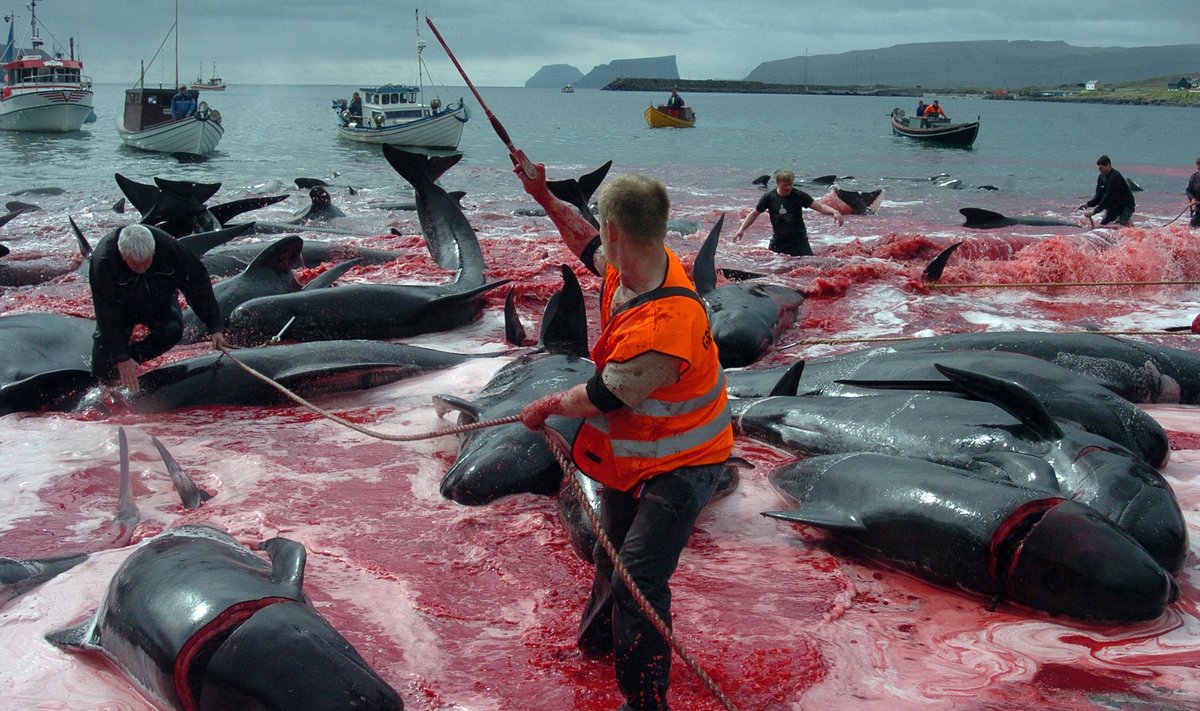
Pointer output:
x,y
686,423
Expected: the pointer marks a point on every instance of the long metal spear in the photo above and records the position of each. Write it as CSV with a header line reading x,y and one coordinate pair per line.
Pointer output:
x,y
514,153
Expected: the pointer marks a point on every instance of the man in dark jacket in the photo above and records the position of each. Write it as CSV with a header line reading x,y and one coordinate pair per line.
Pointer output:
x,y
1113,195
135,275
1193,195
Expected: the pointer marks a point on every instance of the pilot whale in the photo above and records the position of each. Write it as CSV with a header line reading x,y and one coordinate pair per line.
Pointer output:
x,y
199,622
745,318
1005,433
1009,543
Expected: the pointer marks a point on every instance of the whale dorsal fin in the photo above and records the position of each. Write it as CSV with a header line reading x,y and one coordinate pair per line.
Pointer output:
x,y
1008,395
190,494
704,270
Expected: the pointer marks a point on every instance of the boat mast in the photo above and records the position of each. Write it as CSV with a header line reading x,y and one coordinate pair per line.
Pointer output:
x,y
420,59
177,44
34,39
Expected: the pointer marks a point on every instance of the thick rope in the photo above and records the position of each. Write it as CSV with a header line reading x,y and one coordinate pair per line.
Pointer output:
x,y
1179,215
359,428
880,339
567,470
1042,285
627,577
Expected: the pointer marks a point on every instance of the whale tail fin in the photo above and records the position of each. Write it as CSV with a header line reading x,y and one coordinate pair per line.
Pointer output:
x,y
420,167
579,192
228,210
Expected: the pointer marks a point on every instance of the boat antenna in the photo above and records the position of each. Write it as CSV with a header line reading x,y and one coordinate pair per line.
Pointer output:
x,y
35,40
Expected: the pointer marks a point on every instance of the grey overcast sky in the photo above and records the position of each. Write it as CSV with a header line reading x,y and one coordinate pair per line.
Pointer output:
x,y
503,43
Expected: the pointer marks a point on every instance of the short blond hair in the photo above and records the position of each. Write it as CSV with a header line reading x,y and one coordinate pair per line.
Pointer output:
x,y
637,205
783,175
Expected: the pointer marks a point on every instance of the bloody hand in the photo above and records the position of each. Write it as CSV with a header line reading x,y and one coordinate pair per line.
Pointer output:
x,y
534,414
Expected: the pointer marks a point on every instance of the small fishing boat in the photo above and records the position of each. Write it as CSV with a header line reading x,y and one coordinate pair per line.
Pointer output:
x,y
147,124
568,89
40,91
934,130
212,83
663,117
397,114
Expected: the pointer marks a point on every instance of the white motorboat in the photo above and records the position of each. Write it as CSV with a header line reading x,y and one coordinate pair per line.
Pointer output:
x,y
147,123
397,114
40,91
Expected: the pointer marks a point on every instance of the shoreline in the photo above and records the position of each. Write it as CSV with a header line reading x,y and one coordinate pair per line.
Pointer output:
x,y
730,86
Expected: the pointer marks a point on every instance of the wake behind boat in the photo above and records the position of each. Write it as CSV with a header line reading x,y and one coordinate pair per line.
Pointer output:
x,y
147,122
934,130
42,92
397,114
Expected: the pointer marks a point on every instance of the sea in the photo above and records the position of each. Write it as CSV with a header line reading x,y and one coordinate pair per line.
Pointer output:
x,y
475,608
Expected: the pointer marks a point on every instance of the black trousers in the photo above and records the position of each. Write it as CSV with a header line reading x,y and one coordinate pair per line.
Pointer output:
x,y
649,531
795,244
166,330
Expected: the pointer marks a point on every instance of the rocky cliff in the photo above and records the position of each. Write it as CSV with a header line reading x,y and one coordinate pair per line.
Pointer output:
x,y
554,76
980,64
602,74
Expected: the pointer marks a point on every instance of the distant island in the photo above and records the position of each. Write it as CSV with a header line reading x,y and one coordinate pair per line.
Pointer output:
x,y
1158,92
1023,70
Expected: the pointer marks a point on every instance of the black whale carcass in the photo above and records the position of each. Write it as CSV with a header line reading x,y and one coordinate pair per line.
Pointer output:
x,y
201,623
1007,542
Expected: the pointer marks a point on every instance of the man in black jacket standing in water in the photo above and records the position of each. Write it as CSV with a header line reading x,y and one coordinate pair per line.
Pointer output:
x,y
1113,195
135,276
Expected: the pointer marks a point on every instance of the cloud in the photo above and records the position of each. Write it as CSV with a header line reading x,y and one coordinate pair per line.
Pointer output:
x,y
503,44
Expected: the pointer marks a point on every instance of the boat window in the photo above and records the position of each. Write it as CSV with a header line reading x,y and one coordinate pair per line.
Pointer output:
x,y
387,99
395,98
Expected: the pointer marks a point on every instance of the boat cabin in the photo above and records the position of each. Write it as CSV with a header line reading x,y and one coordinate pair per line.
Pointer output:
x,y
393,104
145,108
35,70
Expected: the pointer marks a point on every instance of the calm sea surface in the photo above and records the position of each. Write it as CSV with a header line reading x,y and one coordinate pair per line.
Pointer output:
x,y
475,608
1037,151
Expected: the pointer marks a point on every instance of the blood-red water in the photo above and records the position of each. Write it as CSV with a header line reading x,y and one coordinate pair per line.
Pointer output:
x,y
476,608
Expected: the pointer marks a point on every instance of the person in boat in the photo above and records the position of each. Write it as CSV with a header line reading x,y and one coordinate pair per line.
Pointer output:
x,y
921,106
1113,195
355,109
675,104
657,426
789,235
135,276
1193,195
183,104
934,111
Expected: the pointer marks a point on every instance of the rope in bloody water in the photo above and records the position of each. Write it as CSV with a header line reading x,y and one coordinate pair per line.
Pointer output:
x,y
567,469
1182,331
1042,285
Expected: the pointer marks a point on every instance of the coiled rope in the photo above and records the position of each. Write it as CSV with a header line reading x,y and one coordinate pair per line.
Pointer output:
x,y
568,471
